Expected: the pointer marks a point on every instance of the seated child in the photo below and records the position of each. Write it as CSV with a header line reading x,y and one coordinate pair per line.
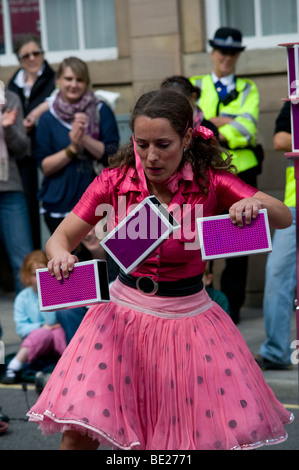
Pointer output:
x,y
41,333
216,295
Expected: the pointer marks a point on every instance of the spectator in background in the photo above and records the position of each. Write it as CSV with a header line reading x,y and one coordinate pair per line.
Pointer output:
x,y
72,138
183,85
281,278
15,230
215,294
40,332
33,82
232,104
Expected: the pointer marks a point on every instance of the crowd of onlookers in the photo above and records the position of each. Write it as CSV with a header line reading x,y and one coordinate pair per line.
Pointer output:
x,y
54,125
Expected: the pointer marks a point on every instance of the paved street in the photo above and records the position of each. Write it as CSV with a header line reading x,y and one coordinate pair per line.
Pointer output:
x,y
22,435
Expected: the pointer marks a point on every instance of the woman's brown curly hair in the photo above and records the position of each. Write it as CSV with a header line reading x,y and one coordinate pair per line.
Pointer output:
x,y
174,106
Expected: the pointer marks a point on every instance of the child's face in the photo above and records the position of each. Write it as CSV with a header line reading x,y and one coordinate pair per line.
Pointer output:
x,y
91,241
33,282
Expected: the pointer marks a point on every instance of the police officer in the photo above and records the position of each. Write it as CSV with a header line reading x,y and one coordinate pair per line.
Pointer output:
x,y
232,105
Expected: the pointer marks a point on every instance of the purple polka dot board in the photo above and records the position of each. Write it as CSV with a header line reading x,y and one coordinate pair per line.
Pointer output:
x,y
87,284
220,238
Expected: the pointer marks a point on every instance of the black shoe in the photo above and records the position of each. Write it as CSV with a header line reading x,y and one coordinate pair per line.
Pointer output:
x,y
265,364
10,378
3,417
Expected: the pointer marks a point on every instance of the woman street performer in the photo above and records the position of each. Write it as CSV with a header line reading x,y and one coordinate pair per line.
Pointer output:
x,y
168,371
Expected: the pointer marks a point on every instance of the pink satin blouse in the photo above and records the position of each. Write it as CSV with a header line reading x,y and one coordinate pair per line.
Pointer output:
x,y
178,257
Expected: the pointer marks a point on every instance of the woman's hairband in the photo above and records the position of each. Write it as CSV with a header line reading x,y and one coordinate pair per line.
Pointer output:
x,y
203,132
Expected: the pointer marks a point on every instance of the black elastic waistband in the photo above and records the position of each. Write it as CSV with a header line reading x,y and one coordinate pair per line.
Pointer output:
x,y
146,285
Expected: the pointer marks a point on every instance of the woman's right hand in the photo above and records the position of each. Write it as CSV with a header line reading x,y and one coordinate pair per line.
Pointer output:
x,y
62,265
9,117
78,130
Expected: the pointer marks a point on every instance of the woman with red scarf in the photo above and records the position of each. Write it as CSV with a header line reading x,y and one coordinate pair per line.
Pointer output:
x,y
78,132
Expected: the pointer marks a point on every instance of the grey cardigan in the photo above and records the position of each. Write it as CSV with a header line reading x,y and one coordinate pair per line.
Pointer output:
x,y
17,142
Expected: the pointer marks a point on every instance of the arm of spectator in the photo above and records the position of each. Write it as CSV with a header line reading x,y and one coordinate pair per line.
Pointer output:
x,y
14,133
282,141
31,119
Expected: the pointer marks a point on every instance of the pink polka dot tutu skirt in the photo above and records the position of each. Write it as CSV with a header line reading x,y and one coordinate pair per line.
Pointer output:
x,y
158,373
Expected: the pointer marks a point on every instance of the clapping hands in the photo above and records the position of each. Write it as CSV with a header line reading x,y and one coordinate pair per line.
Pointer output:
x,y
78,131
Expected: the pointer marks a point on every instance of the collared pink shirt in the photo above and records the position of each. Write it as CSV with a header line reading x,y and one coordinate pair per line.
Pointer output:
x,y
178,257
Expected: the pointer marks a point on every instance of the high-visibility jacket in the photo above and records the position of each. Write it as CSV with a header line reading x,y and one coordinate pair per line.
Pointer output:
x,y
290,188
244,109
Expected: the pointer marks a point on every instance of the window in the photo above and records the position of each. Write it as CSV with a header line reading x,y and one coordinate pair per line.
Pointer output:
x,y
264,23
16,17
85,28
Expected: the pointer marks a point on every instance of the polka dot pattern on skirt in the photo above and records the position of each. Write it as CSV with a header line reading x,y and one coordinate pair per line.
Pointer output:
x,y
194,374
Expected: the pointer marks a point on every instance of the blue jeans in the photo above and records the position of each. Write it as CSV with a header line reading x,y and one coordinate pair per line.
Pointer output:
x,y
280,285
15,231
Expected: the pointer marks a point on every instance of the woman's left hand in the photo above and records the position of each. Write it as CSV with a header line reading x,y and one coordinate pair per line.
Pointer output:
x,y
61,266
249,207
